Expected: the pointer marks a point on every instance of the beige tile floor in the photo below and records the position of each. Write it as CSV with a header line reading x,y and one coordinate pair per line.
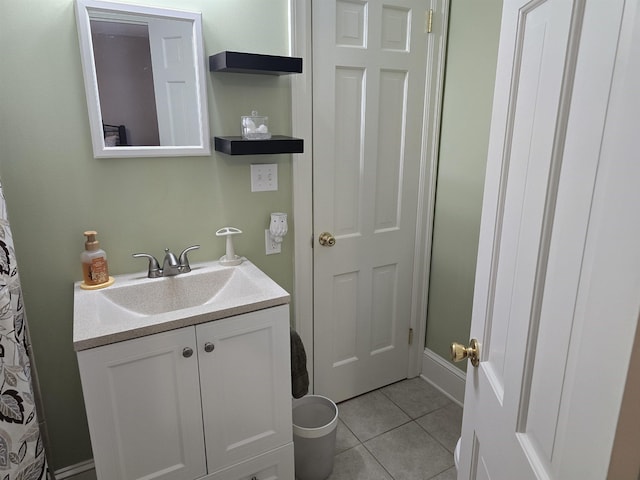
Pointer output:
x,y
404,431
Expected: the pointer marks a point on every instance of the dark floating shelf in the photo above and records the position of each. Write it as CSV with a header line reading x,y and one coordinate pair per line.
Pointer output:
x,y
240,62
276,144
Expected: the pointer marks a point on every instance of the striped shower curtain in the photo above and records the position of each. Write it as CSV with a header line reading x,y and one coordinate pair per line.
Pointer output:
x,y
22,455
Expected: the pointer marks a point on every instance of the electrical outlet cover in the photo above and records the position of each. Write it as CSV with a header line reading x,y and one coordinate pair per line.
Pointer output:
x,y
270,245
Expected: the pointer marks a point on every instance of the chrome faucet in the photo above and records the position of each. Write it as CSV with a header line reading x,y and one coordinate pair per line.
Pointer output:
x,y
171,265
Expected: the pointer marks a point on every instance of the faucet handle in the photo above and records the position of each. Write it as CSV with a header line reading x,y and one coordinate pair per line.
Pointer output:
x,y
184,260
154,266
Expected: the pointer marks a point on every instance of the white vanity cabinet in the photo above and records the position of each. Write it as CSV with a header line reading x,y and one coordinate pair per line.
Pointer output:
x,y
208,401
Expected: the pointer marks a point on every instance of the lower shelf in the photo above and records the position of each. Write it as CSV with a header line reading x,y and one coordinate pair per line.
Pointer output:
x,y
237,145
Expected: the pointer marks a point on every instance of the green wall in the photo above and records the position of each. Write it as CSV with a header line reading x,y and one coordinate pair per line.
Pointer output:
x,y
55,189
466,113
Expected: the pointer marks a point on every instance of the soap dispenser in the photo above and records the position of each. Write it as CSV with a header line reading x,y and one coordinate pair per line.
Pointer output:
x,y
95,272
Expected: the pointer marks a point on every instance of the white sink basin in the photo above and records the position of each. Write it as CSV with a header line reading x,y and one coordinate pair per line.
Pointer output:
x,y
168,294
135,305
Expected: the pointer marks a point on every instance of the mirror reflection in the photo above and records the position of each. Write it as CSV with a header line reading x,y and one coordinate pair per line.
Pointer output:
x,y
144,78
125,83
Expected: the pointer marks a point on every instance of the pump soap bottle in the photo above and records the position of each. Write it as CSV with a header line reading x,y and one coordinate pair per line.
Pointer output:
x,y
95,271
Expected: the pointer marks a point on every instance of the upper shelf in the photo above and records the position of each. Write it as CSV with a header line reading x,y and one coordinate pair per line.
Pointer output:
x,y
236,145
240,62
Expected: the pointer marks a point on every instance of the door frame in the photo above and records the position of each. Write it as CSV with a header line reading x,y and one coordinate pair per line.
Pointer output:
x,y
300,45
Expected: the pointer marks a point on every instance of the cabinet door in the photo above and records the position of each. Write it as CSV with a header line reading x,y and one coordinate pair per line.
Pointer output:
x,y
143,405
246,385
274,465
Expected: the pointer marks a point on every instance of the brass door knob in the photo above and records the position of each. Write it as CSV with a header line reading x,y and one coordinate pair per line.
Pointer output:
x,y
326,239
472,352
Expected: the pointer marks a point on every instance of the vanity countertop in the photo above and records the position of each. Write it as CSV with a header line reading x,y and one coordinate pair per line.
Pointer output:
x,y
136,306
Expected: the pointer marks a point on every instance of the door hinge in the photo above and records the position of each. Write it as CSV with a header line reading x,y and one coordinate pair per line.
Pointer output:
x,y
410,336
428,21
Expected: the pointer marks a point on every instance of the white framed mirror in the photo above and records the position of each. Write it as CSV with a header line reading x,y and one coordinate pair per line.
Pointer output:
x,y
145,80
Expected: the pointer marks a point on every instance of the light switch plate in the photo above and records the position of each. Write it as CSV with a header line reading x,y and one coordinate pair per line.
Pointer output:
x,y
264,177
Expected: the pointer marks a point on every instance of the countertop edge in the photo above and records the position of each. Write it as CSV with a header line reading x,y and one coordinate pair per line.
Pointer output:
x,y
107,339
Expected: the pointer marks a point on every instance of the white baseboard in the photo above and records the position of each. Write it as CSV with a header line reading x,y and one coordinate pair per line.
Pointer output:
x,y
444,376
73,470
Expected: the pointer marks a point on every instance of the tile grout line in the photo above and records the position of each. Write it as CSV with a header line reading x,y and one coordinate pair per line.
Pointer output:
x,y
410,419
407,413
430,434
434,438
440,473
378,462
381,433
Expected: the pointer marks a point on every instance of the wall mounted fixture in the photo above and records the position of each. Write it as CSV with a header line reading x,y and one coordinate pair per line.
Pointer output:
x,y
275,234
278,226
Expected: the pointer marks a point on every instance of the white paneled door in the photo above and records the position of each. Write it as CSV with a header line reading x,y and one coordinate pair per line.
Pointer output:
x,y
174,80
557,288
369,69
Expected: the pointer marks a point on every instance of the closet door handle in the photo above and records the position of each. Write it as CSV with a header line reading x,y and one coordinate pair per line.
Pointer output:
x,y
208,347
326,239
187,352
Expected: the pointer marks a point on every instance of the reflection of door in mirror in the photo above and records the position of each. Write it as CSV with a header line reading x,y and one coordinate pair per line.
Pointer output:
x,y
146,79
125,82
174,78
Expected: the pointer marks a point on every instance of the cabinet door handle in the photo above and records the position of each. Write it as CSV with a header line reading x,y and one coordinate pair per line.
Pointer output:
x,y
208,347
187,352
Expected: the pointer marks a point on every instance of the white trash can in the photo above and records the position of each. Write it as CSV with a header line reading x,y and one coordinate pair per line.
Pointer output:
x,y
315,420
